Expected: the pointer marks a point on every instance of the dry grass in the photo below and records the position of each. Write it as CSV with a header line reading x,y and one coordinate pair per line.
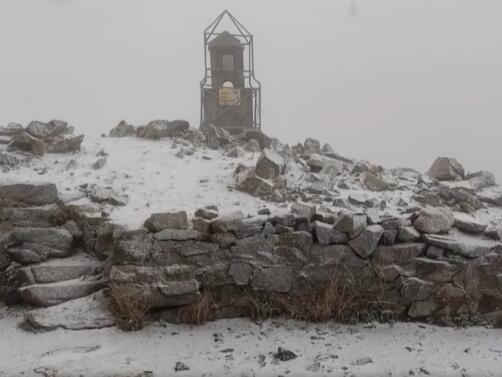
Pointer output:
x,y
129,308
198,313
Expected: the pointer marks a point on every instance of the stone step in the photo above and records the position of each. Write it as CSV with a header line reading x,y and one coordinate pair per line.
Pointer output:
x,y
4,140
90,312
58,270
56,293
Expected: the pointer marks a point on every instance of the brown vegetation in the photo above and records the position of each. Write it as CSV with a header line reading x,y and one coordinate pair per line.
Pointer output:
x,y
128,307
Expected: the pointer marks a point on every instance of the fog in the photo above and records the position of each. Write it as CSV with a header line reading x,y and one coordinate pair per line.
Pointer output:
x,y
392,81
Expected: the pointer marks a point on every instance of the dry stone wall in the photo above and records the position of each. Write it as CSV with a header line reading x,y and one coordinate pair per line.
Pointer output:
x,y
417,267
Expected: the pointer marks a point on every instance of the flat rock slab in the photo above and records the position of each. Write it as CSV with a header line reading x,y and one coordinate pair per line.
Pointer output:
x,y
27,195
469,224
84,313
56,293
57,270
462,244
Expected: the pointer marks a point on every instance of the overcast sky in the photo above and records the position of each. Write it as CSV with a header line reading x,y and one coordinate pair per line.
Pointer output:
x,y
397,82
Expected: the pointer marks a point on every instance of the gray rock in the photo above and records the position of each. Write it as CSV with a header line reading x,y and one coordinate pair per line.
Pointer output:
x,y
28,143
100,194
236,152
462,244
447,169
223,239
202,225
374,183
351,222
481,180
248,181
180,367
408,234
241,273
65,144
123,129
303,211
327,235
28,195
415,289
99,163
494,233
57,270
469,224
167,220
252,146
8,162
311,146
283,354
159,286
84,313
45,131
435,252
269,165
208,212
228,223
273,279
133,247
399,254
366,242
423,309
56,238
260,137
39,217
433,221
298,240
56,293
180,235
188,248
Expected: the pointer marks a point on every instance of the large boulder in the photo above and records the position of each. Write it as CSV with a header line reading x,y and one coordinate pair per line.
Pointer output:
x,y
65,144
248,181
45,131
27,195
167,220
28,143
123,129
434,220
269,165
366,242
447,169
232,222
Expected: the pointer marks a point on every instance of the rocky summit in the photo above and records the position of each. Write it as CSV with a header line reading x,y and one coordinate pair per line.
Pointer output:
x,y
180,217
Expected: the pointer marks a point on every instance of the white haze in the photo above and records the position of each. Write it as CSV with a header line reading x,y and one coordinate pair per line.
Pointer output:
x,y
396,82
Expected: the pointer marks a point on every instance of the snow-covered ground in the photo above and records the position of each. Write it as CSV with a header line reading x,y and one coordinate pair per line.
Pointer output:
x,y
154,179
242,348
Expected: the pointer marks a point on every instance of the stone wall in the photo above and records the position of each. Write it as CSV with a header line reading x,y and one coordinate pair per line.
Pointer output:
x,y
427,266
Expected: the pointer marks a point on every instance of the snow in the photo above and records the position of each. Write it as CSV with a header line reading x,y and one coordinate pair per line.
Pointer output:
x,y
236,348
154,179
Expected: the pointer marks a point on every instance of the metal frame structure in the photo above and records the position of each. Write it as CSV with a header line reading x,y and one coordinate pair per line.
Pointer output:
x,y
251,82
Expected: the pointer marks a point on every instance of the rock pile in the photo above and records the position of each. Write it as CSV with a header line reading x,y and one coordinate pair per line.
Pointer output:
x,y
38,137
